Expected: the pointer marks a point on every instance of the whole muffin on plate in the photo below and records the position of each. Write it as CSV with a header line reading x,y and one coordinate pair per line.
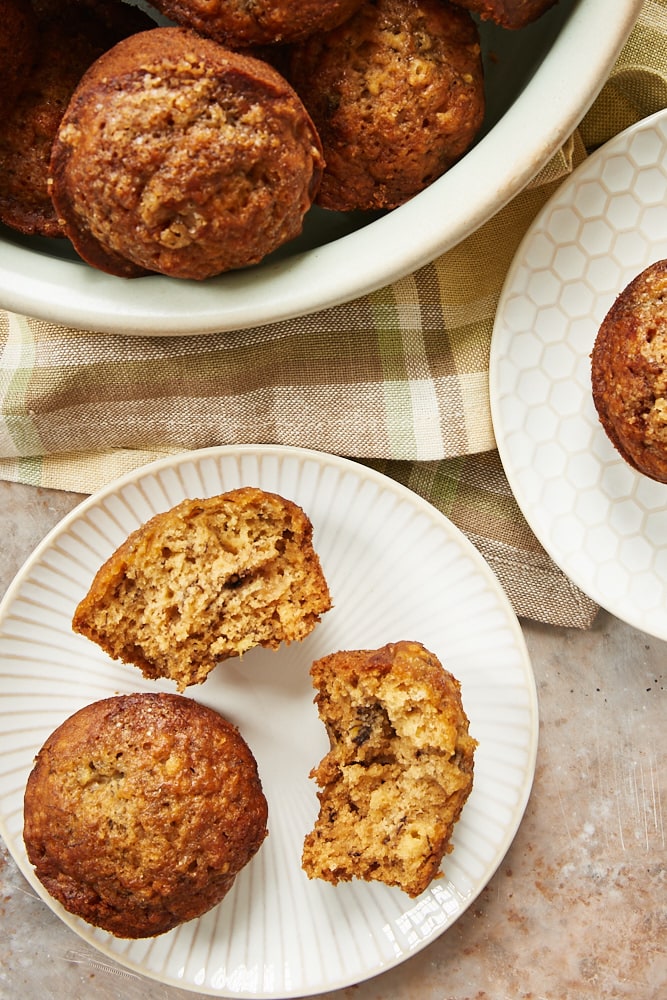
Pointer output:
x,y
399,770
140,811
181,157
238,23
629,372
397,96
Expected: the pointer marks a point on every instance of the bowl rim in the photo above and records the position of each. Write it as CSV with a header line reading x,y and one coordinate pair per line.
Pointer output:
x,y
73,294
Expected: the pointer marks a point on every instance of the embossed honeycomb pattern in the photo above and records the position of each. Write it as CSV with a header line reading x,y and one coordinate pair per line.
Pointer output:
x,y
604,524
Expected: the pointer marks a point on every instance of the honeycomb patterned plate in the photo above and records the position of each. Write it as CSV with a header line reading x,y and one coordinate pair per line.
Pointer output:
x,y
604,524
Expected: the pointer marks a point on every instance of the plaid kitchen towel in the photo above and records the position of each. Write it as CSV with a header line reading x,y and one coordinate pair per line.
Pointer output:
x,y
397,379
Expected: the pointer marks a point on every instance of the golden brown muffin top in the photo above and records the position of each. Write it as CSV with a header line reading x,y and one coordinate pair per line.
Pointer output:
x,y
238,23
182,157
629,372
140,811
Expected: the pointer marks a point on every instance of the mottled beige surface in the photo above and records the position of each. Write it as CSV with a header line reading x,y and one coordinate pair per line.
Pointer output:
x,y
578,908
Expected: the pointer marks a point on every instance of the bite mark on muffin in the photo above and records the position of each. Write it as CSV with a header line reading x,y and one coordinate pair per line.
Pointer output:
x,y
205,581
141,810
399,770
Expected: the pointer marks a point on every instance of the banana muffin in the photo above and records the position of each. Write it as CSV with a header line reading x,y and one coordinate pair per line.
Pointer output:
x,y
397,96
507,13
181,157
629,372
239,24
141,810
399,771
204,581
69,36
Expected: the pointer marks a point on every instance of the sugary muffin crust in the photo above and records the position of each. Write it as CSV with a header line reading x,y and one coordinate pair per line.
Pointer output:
x,y
397,96
204,581
239,23
141,810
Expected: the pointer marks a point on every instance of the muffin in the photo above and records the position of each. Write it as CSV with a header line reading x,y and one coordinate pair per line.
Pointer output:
x,y
399,770
238,24
507,13
18,45
629,372
205,581
180,157
397,96
68,37
140,811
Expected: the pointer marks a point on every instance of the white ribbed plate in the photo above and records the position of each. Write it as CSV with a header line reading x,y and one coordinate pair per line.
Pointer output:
x,y
397,569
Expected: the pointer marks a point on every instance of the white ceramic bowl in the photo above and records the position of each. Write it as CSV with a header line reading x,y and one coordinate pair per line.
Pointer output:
x,y
540,81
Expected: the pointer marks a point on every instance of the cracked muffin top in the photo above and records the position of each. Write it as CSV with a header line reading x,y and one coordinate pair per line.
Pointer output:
x,y
181,157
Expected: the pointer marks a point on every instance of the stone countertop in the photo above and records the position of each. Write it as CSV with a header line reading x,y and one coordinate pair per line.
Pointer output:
x,y
577,909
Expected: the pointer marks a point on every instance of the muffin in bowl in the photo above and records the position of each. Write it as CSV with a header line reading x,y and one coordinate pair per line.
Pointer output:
x,y
511,14
18,46
397,96
54,43
181,157
239,24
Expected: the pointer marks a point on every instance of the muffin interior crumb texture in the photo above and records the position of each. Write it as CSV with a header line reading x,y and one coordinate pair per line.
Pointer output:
x,y
178,156
208,580
399,770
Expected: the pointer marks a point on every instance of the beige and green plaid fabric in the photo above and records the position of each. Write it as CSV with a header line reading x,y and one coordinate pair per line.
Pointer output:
x,y
397,379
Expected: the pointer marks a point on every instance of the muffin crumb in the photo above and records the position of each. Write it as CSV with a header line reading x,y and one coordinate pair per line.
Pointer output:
x,y
399,770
